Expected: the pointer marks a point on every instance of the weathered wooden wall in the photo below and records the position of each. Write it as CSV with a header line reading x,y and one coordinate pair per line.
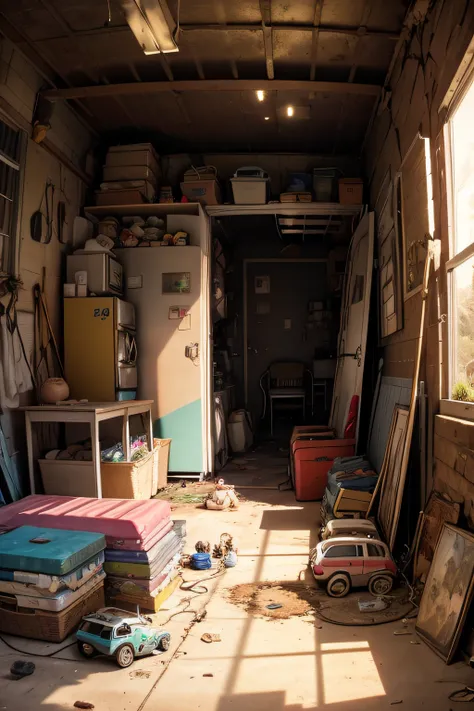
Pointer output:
x,y
426,61
62,159
454,462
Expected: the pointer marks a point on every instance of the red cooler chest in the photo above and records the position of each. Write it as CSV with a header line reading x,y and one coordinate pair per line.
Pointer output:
x,y
312,457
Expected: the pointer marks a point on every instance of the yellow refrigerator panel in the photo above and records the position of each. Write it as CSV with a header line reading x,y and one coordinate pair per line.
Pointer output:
x,y
89,348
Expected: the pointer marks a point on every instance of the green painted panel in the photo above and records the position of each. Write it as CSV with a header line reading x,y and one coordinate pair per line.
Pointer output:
x,y
184,428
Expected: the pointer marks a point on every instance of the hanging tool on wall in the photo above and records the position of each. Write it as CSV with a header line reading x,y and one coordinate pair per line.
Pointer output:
x,y
62,225
46,347
36,220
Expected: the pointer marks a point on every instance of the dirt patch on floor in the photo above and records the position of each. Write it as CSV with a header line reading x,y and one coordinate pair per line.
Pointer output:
x,y
296,599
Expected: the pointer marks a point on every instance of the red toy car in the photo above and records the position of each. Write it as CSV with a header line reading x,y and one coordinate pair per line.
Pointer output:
x,y
342,562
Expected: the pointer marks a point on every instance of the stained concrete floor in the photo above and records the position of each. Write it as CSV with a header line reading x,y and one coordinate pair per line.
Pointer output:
x,y
279,665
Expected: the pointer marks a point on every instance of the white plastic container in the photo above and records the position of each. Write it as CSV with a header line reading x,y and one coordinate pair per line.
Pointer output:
x,y
239,431
250,186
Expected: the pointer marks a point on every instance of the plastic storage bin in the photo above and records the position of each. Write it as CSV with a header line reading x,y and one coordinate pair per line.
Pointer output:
x,y
324,184
250,186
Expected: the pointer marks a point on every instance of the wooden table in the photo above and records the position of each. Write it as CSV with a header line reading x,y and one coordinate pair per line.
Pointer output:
x,y
91,413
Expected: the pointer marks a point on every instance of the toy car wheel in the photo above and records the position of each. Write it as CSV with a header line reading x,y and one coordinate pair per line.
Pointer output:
x,y
380,584
164,643
339,585
125,655
87,650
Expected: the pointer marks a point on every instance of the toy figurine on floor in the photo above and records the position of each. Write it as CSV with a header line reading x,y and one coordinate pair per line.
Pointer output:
x,y
227,550
223,497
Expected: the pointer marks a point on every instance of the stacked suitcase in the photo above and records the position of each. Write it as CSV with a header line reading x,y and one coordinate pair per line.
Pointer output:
x,y
49,580
142,550
312,452
350,488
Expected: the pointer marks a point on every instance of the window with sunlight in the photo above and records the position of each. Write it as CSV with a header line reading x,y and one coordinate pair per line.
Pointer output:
x,y
461,265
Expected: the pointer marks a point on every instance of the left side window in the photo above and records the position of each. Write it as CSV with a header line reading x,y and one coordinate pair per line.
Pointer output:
x,y
12,149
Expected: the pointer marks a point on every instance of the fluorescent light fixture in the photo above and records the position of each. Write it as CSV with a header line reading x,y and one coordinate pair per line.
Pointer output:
x,y
152,24
290,111
260,94
267,118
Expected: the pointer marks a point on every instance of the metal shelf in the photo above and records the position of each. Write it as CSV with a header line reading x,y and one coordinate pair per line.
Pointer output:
x,y
285,209
145,209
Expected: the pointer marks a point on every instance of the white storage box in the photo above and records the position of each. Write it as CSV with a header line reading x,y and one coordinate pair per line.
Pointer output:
x,y
250,186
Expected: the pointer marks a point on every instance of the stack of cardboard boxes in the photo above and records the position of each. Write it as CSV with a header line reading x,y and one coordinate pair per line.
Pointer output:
x,y
131,175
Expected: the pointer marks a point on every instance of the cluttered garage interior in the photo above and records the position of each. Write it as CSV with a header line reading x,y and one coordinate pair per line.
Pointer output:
x,y
236,355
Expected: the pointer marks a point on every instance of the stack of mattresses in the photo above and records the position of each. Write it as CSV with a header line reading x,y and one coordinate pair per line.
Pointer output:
x,y
142,552
49,580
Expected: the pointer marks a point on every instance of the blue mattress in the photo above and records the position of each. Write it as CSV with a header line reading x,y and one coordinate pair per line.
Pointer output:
x,y
171,540
44,584
48,550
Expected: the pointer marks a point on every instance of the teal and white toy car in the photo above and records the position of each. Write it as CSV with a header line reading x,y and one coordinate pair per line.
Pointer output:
x,y
120,634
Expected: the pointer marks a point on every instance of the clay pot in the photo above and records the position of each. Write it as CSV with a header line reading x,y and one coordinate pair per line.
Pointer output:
x,y
54,390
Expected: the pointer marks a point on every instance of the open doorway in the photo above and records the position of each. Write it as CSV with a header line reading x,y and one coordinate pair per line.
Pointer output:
x,y
276,301
287,321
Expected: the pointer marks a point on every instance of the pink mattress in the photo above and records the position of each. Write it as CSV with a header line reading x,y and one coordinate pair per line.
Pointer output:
x,y
134,525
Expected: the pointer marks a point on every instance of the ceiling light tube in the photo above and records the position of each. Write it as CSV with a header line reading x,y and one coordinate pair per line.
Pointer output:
x,y
152,24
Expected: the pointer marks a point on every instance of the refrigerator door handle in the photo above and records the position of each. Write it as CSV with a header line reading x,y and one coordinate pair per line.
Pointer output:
x,y
133,352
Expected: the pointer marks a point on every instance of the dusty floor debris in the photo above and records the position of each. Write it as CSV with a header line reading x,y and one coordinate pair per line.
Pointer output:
x,y
346,610
20,669
294,599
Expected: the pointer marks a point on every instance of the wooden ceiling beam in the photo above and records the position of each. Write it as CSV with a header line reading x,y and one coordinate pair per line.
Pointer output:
x,y
152,87
247,27
315,38
266,12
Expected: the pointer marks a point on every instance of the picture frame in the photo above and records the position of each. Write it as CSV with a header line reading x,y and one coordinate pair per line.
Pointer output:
x,y
393,477
413,192
448,592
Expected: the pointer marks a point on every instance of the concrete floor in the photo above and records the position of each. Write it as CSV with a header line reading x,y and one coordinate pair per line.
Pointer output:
x,y
279,665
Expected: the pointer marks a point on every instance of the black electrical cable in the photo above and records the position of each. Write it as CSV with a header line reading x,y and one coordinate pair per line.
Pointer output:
x,y
34,654
185,585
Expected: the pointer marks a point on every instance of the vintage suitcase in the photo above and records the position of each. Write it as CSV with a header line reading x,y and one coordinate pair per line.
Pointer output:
x,y
45,625
312,457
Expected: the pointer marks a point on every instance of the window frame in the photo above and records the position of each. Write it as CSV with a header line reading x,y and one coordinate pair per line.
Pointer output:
x,y
339,546
11,256
461,84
